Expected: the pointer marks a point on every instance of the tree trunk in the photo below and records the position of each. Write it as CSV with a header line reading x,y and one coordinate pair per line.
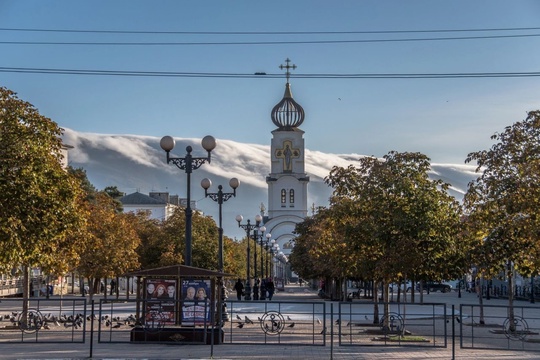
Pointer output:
x,y
386,305
26,289
511,316
375,302
81,285
479,285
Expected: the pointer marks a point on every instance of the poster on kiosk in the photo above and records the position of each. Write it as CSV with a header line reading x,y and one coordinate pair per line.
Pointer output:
x,y
196,302
160,296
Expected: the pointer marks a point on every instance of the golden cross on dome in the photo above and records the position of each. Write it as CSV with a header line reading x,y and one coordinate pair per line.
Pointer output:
x,y
287,67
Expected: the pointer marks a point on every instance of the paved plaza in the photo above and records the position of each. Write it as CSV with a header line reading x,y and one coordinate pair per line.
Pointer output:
x,y
255,351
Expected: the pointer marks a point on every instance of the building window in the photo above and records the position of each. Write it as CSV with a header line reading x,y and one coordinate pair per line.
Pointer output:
x,y
291,196
283,197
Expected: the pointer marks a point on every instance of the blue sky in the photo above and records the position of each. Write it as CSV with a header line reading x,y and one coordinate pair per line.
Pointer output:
x,y
445,118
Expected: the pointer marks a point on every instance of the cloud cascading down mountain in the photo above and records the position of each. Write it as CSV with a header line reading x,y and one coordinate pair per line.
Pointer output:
x,y
137,163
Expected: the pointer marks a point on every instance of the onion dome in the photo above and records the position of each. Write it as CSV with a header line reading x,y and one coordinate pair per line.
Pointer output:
x,y
287,114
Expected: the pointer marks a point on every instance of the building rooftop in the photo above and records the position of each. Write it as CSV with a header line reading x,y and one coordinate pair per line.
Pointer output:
x,y
140,199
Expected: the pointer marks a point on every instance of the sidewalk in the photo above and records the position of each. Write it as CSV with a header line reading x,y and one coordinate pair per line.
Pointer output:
x,y
228,351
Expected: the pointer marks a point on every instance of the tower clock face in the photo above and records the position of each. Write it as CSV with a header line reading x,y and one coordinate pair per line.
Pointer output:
x,y
287,153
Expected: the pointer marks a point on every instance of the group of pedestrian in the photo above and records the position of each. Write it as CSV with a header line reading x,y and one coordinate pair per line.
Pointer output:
x,y
268,284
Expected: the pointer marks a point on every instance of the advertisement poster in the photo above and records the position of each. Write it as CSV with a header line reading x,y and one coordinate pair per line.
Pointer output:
x,y
196,302
160,296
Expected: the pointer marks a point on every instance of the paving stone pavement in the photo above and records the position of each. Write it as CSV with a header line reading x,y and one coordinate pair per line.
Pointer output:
x,y
112,351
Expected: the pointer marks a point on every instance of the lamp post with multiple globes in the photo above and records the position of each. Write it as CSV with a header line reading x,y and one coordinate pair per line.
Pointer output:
x,y
188,164
220,197
269,247
249,227
258,233
264,250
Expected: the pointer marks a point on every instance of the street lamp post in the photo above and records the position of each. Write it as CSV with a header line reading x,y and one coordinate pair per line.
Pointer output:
x,y
275,250
188,163
275,266
220,197
263,252
532,289
256,236
248,228
269,249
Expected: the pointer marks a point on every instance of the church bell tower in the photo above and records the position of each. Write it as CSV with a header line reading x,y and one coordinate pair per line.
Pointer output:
x,y
287,182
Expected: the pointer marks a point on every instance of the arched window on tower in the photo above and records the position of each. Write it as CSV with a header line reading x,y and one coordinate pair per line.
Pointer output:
x,y
291,198
283,197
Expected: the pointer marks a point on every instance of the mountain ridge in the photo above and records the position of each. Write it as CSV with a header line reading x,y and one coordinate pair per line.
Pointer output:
x,y
137,163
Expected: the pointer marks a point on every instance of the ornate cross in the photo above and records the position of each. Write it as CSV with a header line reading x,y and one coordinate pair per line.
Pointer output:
x,y
287,67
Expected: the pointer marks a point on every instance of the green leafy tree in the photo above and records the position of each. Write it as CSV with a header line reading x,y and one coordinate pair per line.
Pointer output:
x,y
39,200
115,194
398,222
170,244
504,202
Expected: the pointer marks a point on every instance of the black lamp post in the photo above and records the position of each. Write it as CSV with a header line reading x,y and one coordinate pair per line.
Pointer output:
x,y
264,248
273,251
220,197
188,163
248,227
257,234
532,289
269,250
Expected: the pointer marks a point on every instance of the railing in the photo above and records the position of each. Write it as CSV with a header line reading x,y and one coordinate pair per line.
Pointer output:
x,y
489,327
45,321
156,321
277,322
407,324
316,323
11,287
521,292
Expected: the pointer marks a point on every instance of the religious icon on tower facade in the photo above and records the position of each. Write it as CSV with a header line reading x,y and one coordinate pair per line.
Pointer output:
x,y
287,153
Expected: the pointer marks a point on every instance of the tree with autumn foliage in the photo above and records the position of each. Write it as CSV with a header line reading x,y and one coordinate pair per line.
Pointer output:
x,y
110,243
166,247
39,200
323,250
504,202
234,257
390,222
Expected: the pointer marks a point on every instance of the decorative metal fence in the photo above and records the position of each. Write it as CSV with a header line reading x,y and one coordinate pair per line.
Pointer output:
x,y
492,327
317,323
44,321
155,321
406,324
277,322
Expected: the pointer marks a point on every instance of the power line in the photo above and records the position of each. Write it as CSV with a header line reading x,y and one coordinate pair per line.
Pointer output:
x,y
266,32
265,75
260,42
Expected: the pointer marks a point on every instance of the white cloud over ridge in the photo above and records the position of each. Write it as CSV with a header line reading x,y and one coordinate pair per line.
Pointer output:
x,y
137,163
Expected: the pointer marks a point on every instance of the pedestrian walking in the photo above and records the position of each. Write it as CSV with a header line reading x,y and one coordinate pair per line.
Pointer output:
x,y
113,286
239,287
270,288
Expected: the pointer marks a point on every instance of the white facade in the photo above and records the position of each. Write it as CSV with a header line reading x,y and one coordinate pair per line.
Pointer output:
x,y
159,205
156,211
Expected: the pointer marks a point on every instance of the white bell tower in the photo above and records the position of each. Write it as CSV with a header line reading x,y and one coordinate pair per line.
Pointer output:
x,y
287,182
